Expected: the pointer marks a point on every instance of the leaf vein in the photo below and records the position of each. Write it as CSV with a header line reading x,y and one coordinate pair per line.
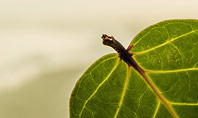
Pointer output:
x,y
140,98
123,93
145,35
157,108
186,104
171,71
98,88
165,43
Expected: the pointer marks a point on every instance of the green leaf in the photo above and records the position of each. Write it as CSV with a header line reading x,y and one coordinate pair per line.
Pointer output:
x,y
168,53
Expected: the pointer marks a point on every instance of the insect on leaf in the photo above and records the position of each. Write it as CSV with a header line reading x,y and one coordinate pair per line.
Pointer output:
x,y
155,77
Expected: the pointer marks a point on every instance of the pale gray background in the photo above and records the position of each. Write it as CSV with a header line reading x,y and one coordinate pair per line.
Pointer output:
x,y
45,45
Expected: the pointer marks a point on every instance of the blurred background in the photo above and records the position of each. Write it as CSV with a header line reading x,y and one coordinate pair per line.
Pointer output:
x,y
46,45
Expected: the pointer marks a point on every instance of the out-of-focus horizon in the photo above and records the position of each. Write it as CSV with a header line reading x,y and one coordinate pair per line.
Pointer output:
x,y
45,45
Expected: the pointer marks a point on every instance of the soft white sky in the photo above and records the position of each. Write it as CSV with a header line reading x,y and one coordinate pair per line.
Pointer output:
x,y
67,32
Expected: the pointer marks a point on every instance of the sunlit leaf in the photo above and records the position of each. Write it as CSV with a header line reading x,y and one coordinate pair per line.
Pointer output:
x,y
168,54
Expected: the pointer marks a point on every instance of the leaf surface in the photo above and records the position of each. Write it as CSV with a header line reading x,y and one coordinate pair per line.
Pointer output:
x,y
168,52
